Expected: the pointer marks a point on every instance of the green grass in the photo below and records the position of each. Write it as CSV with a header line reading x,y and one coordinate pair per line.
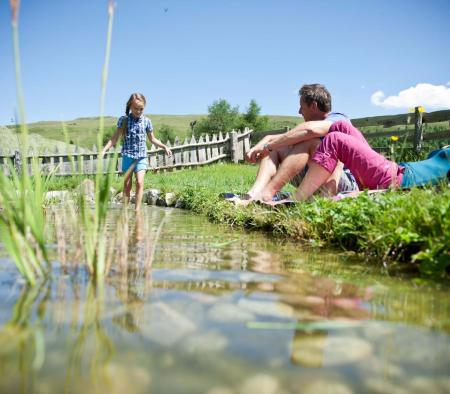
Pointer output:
x,y
412,228
409,227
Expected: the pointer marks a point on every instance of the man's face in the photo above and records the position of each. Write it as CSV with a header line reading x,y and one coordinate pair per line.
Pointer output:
x,y
306,110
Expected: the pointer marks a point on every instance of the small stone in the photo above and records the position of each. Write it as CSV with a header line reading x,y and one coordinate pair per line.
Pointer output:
x,y
260,384
57,196
267,308
170,199
220,390
325,387
205,342
229,313
317,349
150,196
180,204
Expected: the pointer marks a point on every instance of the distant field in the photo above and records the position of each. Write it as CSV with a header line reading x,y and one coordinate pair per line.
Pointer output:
x,y
83,131
428,127
11,141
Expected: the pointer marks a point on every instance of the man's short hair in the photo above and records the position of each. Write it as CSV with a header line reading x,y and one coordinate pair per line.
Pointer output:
x,y
318,93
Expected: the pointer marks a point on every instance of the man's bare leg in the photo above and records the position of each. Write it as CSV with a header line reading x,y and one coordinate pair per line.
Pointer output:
x,y
267,169
330,187
315,177
290,166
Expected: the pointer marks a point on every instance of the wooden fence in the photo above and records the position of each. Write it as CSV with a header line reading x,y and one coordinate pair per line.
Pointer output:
x,y
192,153
416,137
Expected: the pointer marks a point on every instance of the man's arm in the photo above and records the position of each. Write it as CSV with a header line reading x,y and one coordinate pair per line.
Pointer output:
x,y
302,132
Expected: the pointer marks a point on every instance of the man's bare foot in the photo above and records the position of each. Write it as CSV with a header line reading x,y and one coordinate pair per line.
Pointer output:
x,y
267,195
242,200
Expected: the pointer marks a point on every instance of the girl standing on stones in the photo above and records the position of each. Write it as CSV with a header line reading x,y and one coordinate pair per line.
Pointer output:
x,y
134,127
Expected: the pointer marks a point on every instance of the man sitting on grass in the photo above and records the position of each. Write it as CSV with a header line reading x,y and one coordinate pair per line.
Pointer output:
x,y
284,157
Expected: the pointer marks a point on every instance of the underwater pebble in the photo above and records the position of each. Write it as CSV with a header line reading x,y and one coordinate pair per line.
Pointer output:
x,y
205,342
166,326
229,313
319,349
125,377
273,309
380,386
325,387
220,390
424,384
259,384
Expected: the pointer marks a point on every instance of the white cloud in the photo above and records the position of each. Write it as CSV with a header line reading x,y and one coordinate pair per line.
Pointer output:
x,y
423,94
448,83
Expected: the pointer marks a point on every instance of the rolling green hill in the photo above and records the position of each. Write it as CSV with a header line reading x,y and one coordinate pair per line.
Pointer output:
x,y
83,131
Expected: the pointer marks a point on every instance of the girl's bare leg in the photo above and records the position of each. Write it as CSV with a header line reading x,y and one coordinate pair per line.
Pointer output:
x,y
127,183
139,188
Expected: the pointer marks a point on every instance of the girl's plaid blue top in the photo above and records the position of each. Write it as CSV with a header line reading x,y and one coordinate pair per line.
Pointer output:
x,y
134,145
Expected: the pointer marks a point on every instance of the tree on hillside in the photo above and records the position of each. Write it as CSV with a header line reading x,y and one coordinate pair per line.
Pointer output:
x,y
166,133
221,118
252,118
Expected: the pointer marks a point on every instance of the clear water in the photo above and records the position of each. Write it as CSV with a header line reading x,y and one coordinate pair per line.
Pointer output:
x,y
193,307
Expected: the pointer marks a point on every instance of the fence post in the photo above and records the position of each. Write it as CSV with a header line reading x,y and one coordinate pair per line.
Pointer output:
x,y
418,131
17,162
234,147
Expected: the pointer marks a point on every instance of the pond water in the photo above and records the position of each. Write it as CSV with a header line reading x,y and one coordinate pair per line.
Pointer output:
x,y
194,307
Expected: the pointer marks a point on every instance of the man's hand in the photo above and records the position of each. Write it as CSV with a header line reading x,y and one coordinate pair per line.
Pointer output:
x,y
168,151
257,153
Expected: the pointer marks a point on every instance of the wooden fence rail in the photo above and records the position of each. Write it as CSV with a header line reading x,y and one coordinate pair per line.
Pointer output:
x,y
417,136
192,153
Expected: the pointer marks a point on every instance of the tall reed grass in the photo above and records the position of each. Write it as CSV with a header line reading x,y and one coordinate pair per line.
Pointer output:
x,y
22,217
93,218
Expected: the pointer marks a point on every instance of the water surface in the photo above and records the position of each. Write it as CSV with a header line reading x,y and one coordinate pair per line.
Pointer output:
x,y
194,307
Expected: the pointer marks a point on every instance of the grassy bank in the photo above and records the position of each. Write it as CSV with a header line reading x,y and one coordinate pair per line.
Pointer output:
x,y
412,228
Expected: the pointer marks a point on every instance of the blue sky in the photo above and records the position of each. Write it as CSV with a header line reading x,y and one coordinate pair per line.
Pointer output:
x,y
376,57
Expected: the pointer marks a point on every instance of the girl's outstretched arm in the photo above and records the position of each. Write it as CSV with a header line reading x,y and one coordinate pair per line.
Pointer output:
x,y
112,141
157,142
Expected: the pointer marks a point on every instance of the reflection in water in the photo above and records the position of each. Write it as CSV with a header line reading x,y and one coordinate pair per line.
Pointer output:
x,y
90,349
21,338
191,308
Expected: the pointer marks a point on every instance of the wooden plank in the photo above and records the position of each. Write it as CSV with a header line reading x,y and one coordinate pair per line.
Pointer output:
x,y
185,152
201,151
152,158
214,147
207,147
221,139
177,152
169,160
193,151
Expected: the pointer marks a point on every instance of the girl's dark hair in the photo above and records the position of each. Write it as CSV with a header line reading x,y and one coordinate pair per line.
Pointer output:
x,y
134,96
319,94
